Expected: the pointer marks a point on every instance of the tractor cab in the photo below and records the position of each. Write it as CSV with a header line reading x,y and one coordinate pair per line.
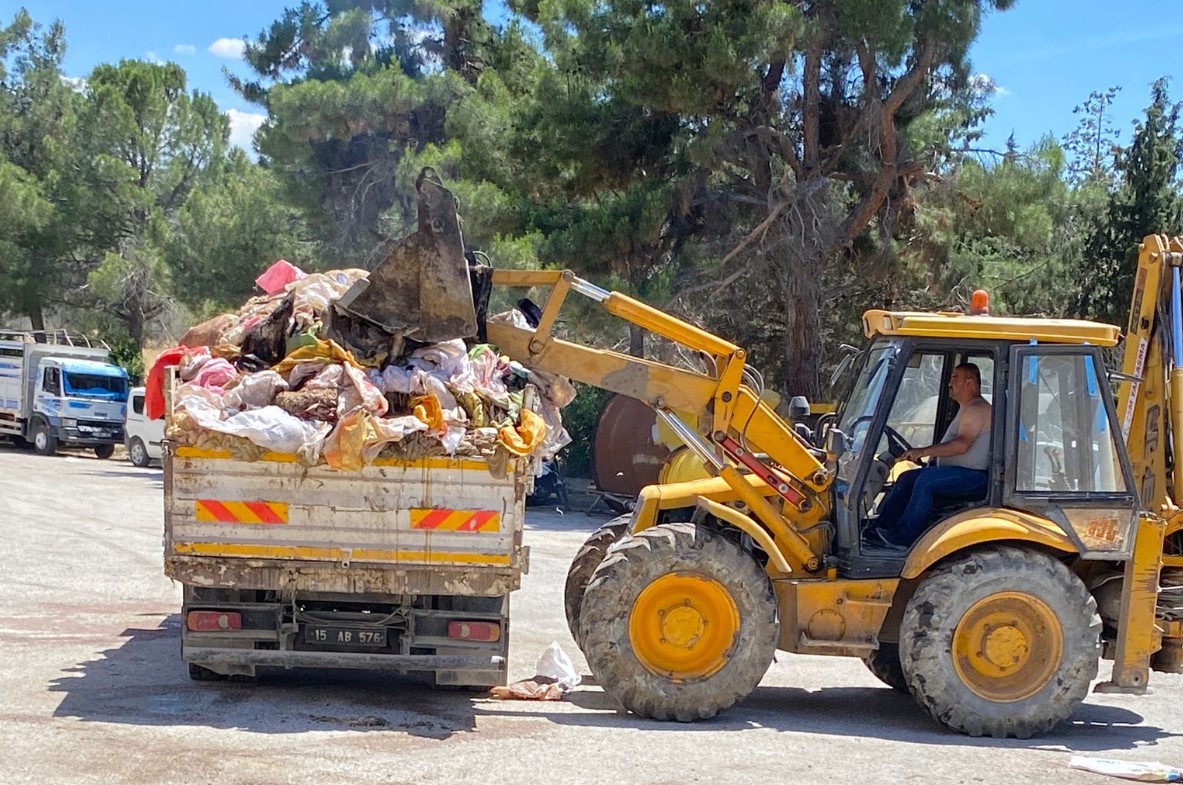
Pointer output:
x,y
1055,446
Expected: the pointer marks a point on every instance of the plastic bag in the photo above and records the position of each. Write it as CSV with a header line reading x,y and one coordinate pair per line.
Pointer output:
x,y
360,436
270,427
254,391
555,664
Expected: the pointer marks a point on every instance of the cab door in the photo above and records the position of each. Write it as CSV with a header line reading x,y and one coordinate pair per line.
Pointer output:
x,y
1065,459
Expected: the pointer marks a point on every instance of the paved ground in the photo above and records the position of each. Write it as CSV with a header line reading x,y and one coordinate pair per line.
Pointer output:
x,y
92,689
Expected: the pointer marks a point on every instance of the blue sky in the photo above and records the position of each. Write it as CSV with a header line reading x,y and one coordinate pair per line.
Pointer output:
x,y
1045,55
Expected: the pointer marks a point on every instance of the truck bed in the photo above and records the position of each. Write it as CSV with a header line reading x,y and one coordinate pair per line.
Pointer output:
x,y
433,526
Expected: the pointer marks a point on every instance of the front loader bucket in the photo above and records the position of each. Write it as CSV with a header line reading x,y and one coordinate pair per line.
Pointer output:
x,y
422,289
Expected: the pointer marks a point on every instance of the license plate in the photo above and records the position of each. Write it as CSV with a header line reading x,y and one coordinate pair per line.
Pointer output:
x,y
317,635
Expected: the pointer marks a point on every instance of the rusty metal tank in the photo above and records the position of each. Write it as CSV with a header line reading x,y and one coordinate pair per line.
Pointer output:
x,y
626,452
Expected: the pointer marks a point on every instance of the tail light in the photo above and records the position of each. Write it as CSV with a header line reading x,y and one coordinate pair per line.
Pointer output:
x,y
474,631
213,621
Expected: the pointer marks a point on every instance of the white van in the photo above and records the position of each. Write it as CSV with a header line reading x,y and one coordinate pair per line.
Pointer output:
x,y
141,435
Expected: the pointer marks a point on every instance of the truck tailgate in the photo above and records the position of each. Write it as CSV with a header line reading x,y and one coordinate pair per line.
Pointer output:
x,y
426,526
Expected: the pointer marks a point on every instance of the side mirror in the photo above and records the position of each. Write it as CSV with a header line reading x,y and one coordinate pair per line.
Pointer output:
x,y
835,444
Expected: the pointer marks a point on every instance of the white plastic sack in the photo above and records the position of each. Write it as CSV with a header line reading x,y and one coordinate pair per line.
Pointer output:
x,y
254,391
555,664
360,392
271,427
396,379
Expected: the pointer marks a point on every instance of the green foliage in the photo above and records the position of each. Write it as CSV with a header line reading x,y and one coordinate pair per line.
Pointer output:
x,y
580,418
1147,201
38,178
229,232
128,356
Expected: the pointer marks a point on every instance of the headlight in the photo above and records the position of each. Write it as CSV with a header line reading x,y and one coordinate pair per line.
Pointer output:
x,y
68,423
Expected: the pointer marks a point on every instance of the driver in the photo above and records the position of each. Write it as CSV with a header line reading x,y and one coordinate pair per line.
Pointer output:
x,y
960,471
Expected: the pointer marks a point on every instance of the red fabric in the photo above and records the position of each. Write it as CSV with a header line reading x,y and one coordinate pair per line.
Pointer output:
x,y
154,387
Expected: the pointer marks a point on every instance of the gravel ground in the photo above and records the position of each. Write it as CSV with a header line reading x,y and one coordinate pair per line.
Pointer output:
x,y
93,690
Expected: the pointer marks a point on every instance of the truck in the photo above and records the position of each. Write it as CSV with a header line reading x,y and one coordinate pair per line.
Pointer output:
x,y
996,617
57,390
404,566
399,565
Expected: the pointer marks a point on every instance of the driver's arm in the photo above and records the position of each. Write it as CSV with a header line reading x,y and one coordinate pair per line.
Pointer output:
x,y
973,422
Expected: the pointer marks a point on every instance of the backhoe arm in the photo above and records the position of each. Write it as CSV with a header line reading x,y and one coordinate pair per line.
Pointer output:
x,y
742,430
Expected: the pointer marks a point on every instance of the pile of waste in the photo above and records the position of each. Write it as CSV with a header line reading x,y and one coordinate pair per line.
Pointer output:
x,y
282,374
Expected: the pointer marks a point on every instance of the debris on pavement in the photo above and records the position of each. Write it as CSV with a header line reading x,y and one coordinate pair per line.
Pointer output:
x,y
554,676
1128,769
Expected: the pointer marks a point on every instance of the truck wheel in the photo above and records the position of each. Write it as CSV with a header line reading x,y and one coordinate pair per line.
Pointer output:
x,y
678,623
584,564
44,442
1001,642
884,663
104,451
137,452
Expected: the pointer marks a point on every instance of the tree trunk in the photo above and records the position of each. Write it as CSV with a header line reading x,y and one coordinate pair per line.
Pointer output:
x,y
802,304
636,340
36,316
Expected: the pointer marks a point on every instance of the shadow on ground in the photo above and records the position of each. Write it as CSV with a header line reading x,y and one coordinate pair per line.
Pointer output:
x,y
864,712
144,682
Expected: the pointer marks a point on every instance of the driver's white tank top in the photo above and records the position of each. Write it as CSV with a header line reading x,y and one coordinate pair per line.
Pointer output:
x,y
978,455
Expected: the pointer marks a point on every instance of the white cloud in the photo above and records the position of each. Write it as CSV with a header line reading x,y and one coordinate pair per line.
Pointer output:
x,y
231,48
75,83
151,57
185,49
243,126
985,86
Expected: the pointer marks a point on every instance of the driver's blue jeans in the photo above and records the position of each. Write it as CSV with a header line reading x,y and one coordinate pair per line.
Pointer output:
x,y
905,510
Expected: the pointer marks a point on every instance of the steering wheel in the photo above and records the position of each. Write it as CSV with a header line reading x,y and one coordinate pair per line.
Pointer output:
x,y
897,445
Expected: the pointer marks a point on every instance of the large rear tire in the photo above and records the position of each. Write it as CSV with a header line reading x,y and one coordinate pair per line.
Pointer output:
x,y
884,663
1000,642
584,564
678,623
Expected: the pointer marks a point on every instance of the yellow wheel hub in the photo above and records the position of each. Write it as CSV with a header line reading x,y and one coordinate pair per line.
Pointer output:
x,y
1007,646
683,626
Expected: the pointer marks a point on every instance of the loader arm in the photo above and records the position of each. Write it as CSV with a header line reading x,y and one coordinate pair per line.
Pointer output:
x,y
743,430
1150,403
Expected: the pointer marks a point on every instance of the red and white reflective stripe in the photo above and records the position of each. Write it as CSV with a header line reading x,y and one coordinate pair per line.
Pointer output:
x,y
217,511
455,520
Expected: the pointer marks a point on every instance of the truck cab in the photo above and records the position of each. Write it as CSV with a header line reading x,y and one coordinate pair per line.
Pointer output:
x,y
1056,451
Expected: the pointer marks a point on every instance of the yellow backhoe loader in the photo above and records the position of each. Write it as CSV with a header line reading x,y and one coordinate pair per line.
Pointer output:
x,y
996,617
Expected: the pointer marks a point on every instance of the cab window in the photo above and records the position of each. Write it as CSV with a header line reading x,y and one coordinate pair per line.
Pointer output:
x,y
1065,440
50,383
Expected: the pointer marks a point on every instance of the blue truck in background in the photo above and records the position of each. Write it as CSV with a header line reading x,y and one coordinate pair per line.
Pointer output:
x,y
59,391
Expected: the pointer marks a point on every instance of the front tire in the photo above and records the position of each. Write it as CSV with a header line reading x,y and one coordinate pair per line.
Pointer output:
x,y
137,452
1000,642
44,442
579,574
678,623
104,451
